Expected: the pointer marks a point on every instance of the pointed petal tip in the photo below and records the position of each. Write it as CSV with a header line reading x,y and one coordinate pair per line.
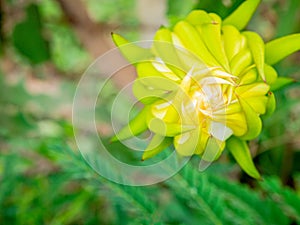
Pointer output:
x,y
260,178
144,157
113,139
256,176
147,156
240,151
203,165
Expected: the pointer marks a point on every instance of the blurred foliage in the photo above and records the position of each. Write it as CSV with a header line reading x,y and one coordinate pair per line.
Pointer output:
x,y
62,48
44,179
63,41
113,11
119,14
31,44
41,35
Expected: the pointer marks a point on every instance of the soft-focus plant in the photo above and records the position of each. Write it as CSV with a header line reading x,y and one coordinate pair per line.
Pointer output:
x,y
205,84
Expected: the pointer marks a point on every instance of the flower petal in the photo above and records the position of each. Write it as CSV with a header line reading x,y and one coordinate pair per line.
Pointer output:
x,y
257,48
220,131
193,42
212,39
236,122
165,48
198,17
253,120
232,40
149,89
157,144
135,127
249,77
145,69
212,152
165,70
271,74
241,61
162,128
130,51
271,105
258,103
186,143
252,90
240,151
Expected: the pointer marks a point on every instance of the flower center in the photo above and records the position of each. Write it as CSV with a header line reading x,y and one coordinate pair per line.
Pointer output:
x,y
211,92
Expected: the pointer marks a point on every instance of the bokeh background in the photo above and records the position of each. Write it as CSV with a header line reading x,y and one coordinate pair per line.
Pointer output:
x,y
45,48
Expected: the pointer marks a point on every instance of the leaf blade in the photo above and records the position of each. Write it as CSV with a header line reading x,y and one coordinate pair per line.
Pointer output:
x,y
280,48
242,15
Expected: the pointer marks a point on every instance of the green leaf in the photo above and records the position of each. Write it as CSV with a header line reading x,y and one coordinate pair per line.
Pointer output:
x,y
240,151
220,7
27,37
289,12
280,48
287,199
281,82
242,15
257,209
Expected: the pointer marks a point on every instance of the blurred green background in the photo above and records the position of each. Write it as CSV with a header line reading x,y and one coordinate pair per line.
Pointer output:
x,y
46,46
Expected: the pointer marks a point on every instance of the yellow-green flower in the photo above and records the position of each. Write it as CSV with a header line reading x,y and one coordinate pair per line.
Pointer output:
x,y
205,83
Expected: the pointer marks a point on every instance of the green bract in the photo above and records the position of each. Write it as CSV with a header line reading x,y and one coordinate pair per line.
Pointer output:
x,y
205,84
